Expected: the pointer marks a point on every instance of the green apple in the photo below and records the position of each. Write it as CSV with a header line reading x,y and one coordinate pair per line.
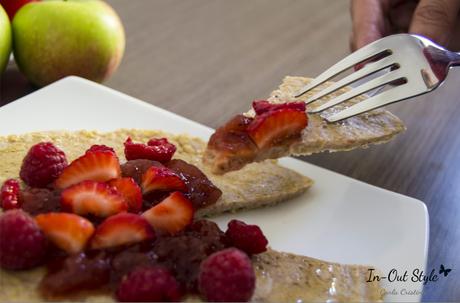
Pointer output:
x,y
5,39
55,39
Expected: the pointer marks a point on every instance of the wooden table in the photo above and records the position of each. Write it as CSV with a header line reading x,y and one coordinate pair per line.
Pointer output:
x,y
208,59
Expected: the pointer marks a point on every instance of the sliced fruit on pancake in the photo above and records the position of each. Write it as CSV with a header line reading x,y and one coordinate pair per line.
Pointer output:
x,y
278,125
256,185
171,215
121,229
161,179
69,232
129,189
95,166
95,198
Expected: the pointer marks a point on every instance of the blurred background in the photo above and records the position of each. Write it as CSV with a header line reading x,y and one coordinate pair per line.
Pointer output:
x,y
206,52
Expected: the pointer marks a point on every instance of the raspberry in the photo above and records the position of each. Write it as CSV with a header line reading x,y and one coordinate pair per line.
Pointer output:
x,y
22,244
9,195
156,149
43,164
162,142
248,238
263,106
227,275
148,284
100,148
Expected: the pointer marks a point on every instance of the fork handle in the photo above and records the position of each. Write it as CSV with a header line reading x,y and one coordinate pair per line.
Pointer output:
x,y
441,60
441,57
454,58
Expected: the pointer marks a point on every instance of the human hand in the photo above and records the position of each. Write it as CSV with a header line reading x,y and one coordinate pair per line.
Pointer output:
x,y
437,20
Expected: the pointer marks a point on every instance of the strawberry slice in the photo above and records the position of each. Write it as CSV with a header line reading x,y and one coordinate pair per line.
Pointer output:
x,y
96,166
263,106
172,214
122,229
161,179
91,197
277,126
132,193
69,232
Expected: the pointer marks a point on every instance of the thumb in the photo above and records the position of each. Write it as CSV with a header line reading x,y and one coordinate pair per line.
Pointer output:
x,y
368,22
435,19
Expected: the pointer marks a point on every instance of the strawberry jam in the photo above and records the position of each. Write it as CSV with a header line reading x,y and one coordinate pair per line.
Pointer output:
x,y
74,273
245,139
126,259
182,254
136,168
40,200
200,189
233,139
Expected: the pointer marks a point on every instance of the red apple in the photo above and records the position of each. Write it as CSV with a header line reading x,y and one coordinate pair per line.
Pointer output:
x,y
12,6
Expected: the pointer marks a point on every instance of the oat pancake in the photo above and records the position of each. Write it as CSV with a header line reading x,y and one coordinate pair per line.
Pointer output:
x,y
257,185
281,277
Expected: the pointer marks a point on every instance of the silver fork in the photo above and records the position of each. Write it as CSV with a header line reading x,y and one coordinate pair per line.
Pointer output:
x,y
406,65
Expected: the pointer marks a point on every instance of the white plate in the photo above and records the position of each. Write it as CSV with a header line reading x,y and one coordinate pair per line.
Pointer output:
x,y
339,219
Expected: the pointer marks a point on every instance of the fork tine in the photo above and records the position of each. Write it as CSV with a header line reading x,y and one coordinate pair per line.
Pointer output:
x,y
363,88
390,96
365,71
358,56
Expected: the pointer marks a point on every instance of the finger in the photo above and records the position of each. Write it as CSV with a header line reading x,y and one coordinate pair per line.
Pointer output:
x,y
435,19
400,15
454,44
368,22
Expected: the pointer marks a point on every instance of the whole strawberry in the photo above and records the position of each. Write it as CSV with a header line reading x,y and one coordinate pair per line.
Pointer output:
x,y
22,244
42,165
